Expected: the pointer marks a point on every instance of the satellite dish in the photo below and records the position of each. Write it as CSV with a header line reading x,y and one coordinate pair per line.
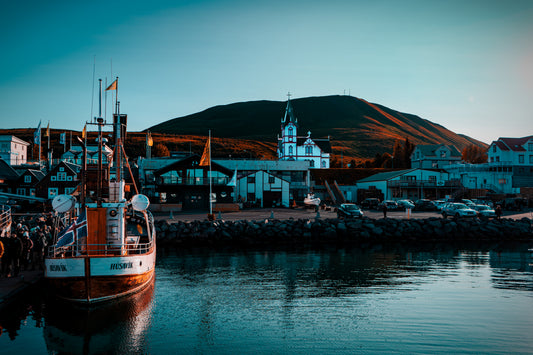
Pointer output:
x,y
140,202
63,203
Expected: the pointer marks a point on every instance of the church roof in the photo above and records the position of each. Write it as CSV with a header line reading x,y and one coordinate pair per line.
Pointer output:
x,y
323,144
289,114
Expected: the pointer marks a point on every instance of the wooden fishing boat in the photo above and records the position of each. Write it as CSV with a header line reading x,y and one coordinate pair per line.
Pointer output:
x,y
110,249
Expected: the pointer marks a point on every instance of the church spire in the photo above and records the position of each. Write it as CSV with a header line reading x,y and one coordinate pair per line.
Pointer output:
x,y
289,113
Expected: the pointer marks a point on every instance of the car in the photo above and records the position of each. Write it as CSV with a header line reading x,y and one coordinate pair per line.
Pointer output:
x,y
484,211
391,205
467,202
457,210
349,210
406,204
425,205
370,203
439,204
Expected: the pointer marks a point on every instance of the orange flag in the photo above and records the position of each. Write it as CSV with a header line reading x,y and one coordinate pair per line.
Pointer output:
x,y
206,155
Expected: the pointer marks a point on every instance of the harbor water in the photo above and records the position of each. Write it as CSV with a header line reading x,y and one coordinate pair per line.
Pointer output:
x,y
370,301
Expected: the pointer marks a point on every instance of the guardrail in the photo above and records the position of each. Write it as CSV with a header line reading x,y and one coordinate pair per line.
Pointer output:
x,y
85,250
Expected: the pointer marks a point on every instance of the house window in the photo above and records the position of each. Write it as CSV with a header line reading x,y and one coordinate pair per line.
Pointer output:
x,y
27,179
530,147
502,181
69,190
61,176
521,159
251,179
32,192
494,148
497,159
53,178
61,168
531,159
271,179
434,164
52,192
21,191
492,159
432,179
443,154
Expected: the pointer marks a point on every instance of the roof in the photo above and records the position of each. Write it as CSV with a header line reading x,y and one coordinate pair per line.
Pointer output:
x,y
429,150
289,113
386,176
514,144
7,172
37,173
188,161
323,144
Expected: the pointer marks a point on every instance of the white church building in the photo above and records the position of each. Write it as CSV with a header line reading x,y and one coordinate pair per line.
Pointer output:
x,y
294,147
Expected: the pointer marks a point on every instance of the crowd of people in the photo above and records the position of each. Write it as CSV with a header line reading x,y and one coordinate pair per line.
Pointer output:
x,y
23,248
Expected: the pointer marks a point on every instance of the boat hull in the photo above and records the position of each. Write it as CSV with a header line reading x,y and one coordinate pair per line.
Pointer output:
x,y
96,279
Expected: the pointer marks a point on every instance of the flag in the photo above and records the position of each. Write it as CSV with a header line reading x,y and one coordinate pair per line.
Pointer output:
x,y
37,134
150,141
84,132
206,155
62,138
113,85
233,181
74,232
47,134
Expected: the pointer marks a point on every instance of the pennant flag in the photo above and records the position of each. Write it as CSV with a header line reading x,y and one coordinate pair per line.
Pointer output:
x,y
37,134
74,232
150,141
206,155
84,132
47,134
62,138
233,181
113,85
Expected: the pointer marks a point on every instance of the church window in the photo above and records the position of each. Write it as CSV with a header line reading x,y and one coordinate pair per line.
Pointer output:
x,y
290,131
312,163
323,164
290,150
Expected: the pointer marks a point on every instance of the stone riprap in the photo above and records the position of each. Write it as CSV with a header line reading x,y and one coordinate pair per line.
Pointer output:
x,y
317,232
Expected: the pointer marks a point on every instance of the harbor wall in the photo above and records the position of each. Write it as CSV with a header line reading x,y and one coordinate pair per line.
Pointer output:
x,y
339,232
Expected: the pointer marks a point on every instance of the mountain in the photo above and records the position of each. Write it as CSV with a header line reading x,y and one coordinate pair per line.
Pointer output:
x,y
357,128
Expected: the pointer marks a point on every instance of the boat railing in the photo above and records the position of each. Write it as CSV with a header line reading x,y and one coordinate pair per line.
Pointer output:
x,y
85,250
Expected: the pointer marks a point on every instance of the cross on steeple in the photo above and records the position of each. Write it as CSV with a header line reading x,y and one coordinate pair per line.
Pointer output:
x,y
289,95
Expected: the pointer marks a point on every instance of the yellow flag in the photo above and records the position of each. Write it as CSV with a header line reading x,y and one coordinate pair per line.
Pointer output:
x,y
206,156
113,85
84,132
47,134
150,140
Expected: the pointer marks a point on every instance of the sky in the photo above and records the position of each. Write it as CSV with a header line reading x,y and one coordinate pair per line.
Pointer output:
x,y
466,65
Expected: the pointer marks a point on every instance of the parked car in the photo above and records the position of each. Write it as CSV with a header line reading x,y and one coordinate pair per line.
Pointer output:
x,y
370,203
485,211
439,204
391,205
467,202
406,204
457,210
349,210
425,205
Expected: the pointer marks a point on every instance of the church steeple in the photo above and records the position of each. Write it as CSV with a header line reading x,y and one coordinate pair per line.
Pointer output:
x,y
289,113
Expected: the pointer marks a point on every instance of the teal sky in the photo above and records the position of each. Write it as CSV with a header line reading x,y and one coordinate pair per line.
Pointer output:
x,y
467,65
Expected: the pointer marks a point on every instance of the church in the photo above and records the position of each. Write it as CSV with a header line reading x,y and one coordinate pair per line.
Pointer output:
x,y
294,147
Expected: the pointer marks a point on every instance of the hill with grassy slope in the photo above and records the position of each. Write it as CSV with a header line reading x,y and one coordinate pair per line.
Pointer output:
x,y
357,128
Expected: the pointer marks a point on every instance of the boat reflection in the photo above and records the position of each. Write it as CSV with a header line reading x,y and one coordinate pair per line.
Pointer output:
x,y
116,327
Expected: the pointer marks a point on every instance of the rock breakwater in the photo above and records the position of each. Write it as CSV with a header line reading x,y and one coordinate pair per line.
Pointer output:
x,y
324,232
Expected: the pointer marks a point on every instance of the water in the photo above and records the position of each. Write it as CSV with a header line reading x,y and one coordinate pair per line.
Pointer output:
x,y
275,302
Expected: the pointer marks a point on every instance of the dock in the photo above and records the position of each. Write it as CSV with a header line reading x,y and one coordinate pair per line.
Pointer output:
x,y
10,287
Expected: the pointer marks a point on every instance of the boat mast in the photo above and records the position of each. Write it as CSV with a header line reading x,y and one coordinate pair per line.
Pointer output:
x,y
100,121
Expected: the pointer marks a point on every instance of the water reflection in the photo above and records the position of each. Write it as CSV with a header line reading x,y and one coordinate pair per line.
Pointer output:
x,y
113,328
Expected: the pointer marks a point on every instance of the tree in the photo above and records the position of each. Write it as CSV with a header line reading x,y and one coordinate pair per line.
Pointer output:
x,y
474,154
160,150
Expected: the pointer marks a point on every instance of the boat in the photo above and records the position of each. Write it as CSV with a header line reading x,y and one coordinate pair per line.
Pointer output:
x,y
109,251
311,200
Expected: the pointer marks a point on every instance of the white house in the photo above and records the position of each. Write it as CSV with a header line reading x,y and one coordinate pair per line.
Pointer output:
x,y
411,183
434,156
13,150
513,151
264,187
294,147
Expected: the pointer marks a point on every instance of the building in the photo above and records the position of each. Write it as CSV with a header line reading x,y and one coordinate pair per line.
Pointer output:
x,y
411,184
509,168
74,155
8,177
292,147
13,150
434,156
27,182
262,189
62,179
